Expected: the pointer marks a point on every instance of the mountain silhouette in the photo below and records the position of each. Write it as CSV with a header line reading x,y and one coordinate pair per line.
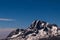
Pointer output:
x,y
38,30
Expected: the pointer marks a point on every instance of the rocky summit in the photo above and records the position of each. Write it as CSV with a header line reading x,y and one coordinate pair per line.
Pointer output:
x,y
38,30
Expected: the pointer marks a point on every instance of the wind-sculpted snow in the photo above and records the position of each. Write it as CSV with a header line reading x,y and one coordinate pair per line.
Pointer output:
x,y
36,31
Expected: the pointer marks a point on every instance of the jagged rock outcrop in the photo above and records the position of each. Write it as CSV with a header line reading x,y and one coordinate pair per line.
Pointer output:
x,y
36,31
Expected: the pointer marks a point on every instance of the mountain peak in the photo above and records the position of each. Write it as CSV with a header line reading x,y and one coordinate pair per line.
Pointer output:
x,y
37,30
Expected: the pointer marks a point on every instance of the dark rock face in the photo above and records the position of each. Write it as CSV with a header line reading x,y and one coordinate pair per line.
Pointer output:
x,y
38,30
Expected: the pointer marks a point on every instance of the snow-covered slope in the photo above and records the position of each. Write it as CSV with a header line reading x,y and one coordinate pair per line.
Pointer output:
x,y
36,31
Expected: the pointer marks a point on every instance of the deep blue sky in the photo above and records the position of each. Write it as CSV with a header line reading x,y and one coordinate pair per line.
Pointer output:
x,y
23,12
